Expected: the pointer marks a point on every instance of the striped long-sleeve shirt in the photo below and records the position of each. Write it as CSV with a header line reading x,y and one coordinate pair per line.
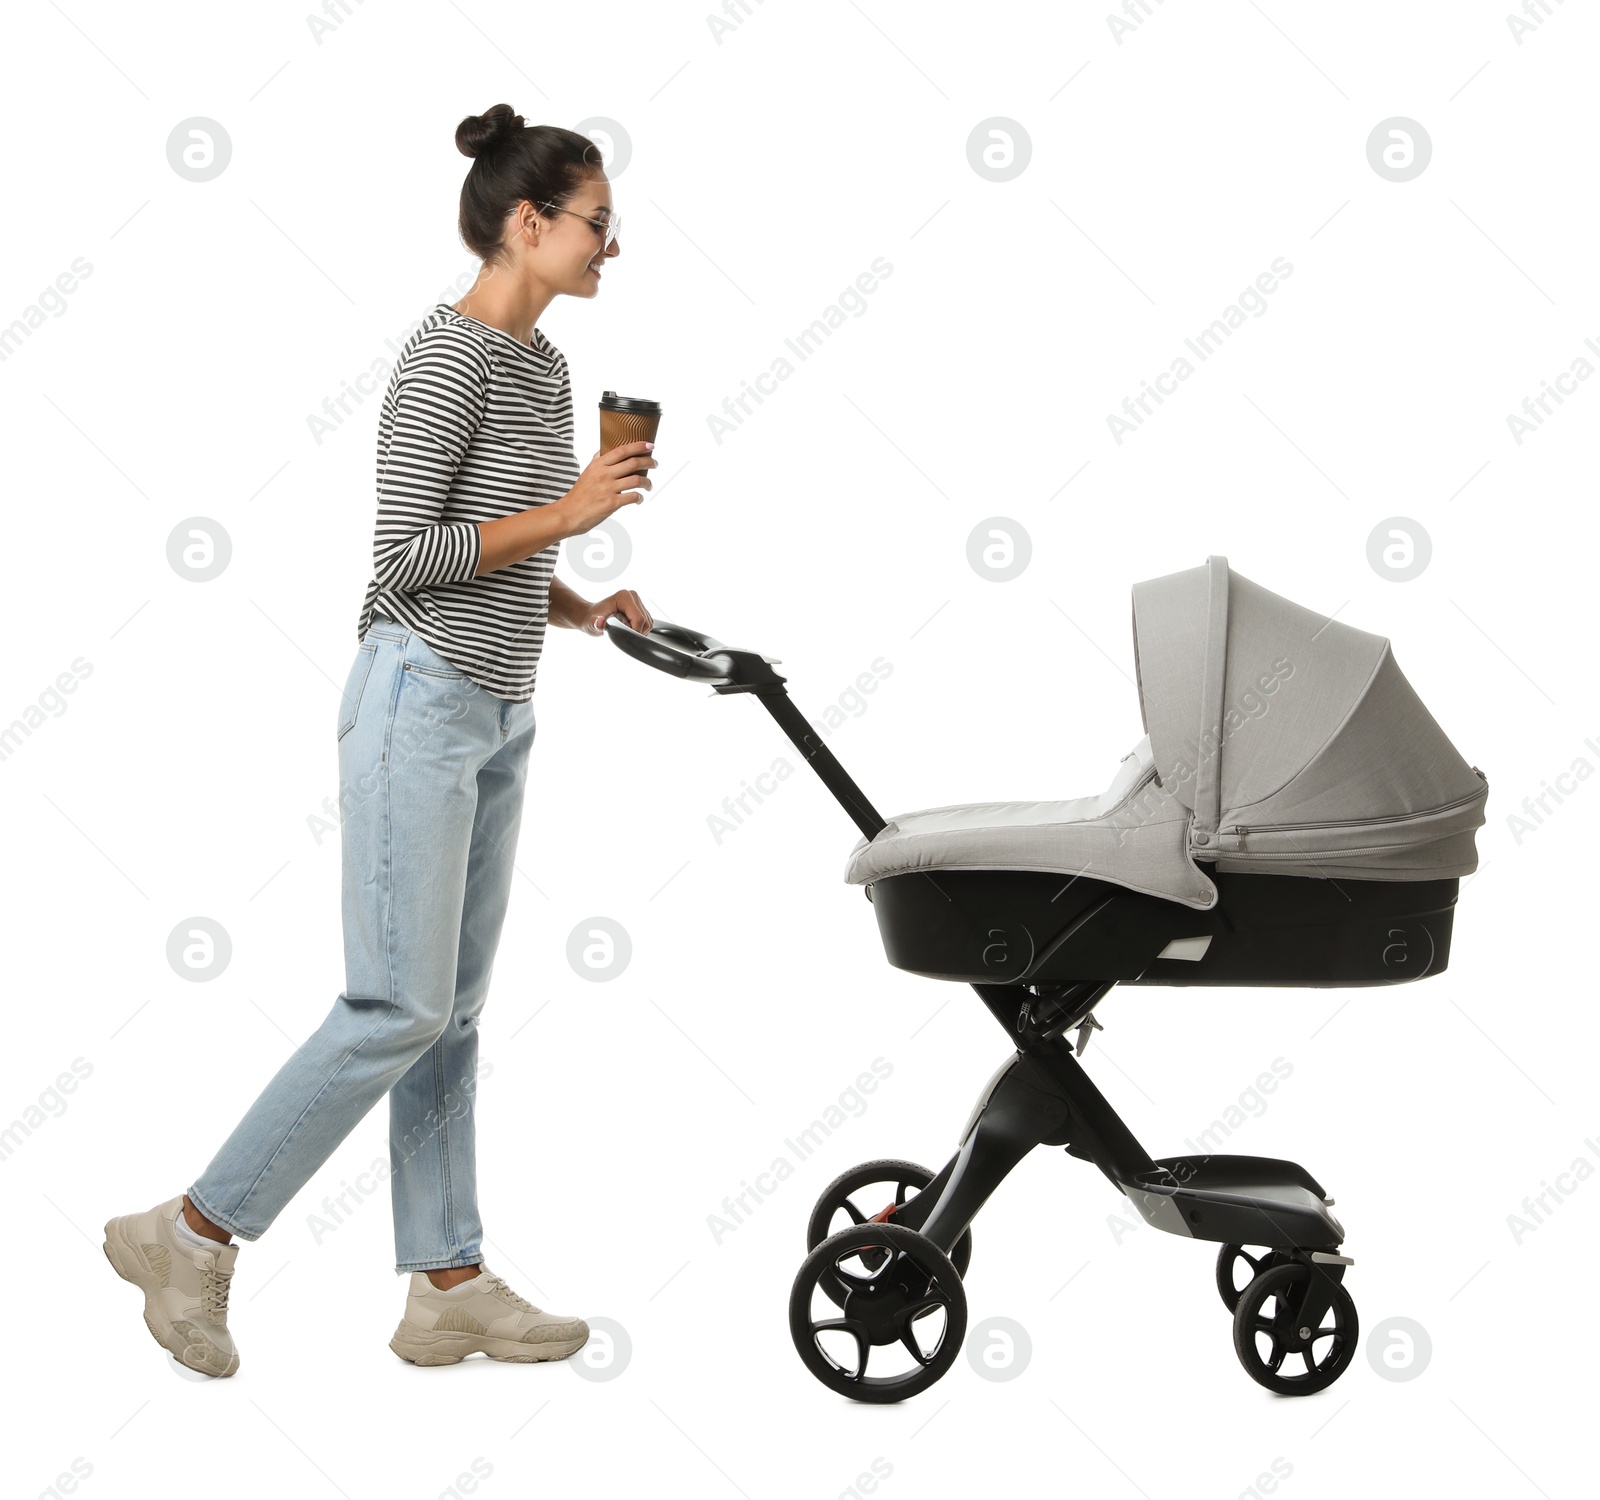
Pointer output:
x,y
475,425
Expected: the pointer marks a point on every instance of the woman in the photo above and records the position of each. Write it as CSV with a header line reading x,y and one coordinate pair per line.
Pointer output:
x,y
477,485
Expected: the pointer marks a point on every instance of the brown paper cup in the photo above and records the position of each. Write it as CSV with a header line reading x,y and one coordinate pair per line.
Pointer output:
x,y
631,420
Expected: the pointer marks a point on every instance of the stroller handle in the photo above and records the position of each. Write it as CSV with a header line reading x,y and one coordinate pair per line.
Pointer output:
x,y
687,653
674,649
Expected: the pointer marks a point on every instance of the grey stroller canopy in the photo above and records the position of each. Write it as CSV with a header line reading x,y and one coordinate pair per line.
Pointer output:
x,y
1278,741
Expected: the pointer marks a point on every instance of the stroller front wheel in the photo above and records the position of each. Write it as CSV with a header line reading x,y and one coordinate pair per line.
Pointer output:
x,y
912,1307
1230,1258
1290,1360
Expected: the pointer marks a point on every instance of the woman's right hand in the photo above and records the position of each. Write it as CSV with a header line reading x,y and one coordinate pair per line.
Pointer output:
x,y
611,481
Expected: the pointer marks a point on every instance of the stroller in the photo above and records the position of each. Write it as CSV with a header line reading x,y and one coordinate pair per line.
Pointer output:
x,y
1293,815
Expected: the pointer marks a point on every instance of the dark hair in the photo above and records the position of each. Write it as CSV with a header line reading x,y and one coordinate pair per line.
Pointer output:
x,y
543,163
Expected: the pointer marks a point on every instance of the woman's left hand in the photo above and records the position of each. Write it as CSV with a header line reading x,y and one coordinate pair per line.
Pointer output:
x,y
624,602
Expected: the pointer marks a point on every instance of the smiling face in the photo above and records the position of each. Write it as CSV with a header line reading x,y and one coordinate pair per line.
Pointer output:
x,y
569,248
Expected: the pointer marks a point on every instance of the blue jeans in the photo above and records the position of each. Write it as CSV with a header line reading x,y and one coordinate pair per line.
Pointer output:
x,y
431,775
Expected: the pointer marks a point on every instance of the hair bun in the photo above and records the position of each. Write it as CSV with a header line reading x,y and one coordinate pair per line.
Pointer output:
x,y
480,133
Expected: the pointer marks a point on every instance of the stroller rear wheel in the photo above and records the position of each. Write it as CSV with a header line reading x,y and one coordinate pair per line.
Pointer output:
x,y
1266,1339
889,1178
1229,1261
912,1307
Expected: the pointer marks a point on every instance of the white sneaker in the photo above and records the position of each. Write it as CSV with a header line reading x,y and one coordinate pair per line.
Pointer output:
x,y
185,1291
481,1315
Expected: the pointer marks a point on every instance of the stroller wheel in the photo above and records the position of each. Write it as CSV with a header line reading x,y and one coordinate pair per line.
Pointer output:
x,y
913,1309
1271,1348
1231,1258
889,1181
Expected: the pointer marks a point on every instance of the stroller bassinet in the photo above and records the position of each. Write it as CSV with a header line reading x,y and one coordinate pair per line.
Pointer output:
x,y
1292,816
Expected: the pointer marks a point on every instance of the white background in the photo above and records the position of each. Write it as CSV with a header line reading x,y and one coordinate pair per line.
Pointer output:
x,y
767,171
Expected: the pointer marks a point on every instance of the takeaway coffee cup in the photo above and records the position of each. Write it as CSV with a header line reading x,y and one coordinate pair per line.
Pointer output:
x,y
627,419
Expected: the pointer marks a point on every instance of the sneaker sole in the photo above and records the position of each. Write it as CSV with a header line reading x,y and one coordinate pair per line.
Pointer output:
x,y
420,1346
130,1265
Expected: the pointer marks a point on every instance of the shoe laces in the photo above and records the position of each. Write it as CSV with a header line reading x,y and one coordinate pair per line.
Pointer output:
x,y
214,1282
496,1287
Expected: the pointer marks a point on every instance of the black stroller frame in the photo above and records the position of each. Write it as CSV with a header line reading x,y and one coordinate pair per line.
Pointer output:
x,y
890,1270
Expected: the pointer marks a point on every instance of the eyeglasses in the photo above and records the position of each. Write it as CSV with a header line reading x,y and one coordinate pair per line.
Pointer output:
x,y
610,227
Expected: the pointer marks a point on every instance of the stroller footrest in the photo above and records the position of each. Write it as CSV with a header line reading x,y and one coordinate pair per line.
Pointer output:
x,y
1242,1200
